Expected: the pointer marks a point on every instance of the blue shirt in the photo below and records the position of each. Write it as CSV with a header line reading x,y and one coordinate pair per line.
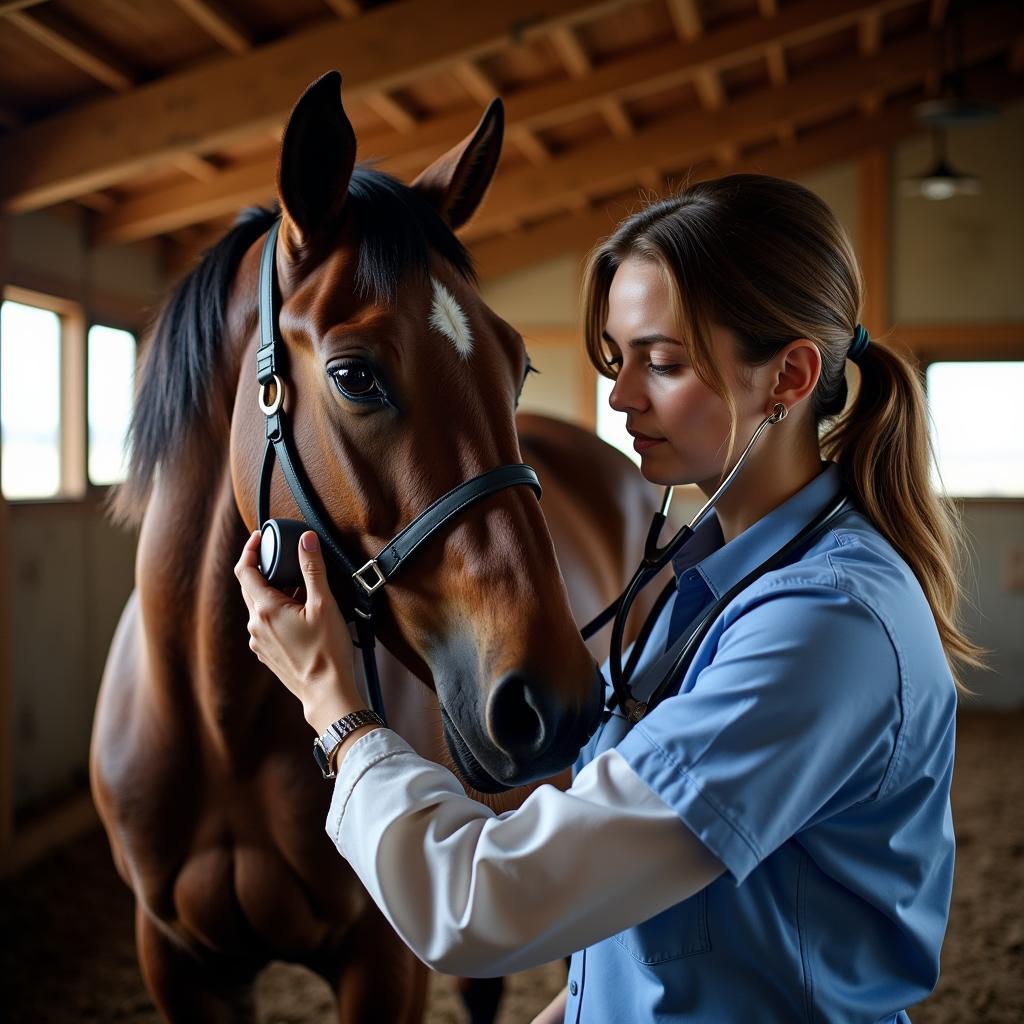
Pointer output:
x,y
810,747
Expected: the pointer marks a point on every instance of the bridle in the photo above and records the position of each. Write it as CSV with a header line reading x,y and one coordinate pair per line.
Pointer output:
x,y
354,586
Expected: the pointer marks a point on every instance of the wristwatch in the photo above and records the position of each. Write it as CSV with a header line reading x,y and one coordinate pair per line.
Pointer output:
x,y
326,745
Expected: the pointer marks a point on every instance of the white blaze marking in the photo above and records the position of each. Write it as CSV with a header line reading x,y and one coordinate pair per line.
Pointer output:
x,y
446,316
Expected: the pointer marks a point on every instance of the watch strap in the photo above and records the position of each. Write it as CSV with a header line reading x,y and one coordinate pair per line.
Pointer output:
x,y
326,745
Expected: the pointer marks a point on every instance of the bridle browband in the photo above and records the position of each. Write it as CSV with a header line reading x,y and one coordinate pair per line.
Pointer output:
x,y
354,586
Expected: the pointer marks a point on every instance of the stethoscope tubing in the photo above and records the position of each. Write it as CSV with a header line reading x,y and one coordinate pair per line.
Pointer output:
x,y
654,560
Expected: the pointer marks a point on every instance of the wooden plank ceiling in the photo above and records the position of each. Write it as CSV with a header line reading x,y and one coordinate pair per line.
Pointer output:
x,y
163,118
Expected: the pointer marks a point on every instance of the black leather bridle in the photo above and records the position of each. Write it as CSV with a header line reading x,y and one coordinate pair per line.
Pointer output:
x,y
354,586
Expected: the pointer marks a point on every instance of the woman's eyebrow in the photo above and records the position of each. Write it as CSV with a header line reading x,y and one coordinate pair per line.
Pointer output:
x,y
646,339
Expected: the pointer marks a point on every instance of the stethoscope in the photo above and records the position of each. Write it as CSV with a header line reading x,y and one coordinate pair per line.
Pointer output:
x,y
656,558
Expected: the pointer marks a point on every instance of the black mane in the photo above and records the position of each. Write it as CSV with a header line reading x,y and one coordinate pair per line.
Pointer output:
x,y
398,230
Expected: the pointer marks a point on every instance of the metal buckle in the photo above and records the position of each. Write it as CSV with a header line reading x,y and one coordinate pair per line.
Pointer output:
x,y
375,585
269,408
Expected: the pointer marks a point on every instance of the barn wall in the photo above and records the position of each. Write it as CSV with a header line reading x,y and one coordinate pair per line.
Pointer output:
x,y
70,569
962,260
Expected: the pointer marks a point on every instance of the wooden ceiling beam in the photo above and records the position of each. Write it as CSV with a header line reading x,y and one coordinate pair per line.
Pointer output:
x,y
75,46
538,107
690,137
201,109
480,88
869,42
9,6
219,23
579,64
690,27
198,167
388,109
573,233
571,52
348,9
188,204
566,233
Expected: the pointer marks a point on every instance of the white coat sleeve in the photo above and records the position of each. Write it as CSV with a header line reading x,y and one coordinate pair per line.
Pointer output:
x,y
474,893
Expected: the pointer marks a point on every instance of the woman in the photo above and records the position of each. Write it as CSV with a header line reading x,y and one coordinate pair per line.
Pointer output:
x,y
773,841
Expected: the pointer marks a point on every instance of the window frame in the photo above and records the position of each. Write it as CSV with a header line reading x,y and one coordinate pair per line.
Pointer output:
x,y
965,341
76,319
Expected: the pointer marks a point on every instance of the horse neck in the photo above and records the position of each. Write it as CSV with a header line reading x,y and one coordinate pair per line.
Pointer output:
x,y
193,614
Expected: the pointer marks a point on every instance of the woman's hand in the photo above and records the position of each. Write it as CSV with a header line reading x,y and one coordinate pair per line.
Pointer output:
x,y
305,644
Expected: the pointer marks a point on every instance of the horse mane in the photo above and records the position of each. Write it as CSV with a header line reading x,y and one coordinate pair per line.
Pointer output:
x,y
398,229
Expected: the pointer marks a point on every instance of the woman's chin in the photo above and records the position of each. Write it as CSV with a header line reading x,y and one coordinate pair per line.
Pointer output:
x,y
661,471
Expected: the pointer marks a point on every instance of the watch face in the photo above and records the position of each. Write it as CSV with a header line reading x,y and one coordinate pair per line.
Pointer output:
x,y
320,755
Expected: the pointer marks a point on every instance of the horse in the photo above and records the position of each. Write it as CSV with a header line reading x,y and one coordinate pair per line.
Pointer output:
x,y
401,384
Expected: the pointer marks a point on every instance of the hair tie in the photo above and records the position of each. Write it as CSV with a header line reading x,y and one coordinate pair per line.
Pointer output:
x,y
861,340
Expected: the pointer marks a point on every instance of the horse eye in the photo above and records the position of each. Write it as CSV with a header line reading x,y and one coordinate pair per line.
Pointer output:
x,y
356,381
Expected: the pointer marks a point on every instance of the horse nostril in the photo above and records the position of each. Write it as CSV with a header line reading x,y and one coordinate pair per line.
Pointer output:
x,y
517,720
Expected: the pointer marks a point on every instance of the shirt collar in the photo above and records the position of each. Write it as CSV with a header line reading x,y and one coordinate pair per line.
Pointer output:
x,y
723,565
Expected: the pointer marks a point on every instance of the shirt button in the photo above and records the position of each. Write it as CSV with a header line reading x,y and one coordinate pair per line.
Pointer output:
x,y
573,988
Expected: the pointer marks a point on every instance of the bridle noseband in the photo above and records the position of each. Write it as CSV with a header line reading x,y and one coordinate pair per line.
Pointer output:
x,y
354,586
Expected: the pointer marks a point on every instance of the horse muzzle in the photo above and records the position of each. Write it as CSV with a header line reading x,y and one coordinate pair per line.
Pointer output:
x,y
527,732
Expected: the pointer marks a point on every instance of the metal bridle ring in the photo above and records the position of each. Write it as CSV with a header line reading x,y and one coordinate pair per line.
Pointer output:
x,y
269,408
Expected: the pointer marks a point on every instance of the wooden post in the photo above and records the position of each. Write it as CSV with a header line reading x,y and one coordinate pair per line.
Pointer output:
x,y
6,698
873,196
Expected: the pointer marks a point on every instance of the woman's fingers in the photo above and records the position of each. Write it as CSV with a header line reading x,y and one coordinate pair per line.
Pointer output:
x,y
314,574
247,567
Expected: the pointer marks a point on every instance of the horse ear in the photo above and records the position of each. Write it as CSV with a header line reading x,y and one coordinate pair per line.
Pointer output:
x,y
318,153
456,182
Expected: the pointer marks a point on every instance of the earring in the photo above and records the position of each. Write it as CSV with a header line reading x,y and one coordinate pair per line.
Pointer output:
x,y
778,413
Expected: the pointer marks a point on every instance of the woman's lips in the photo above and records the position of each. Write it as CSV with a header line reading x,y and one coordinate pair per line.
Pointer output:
x,y
641,442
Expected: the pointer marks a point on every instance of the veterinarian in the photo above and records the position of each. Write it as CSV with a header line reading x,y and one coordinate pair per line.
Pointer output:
x,y
772,841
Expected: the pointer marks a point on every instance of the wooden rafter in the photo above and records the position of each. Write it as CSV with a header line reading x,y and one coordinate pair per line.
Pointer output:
x,y
573,233
219,23
75,45
535,107
689,27
480,87
846,140
388,109
690,137
346,8
9,6
869,42
578,63
102,143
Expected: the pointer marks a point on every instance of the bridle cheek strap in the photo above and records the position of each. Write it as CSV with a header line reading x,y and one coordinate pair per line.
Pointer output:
x,y
359,585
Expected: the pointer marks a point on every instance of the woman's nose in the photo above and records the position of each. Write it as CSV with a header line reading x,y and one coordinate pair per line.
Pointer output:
x,y
627,394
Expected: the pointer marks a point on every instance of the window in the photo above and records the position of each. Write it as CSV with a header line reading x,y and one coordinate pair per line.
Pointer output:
x,y
30,401
111,388
57,433
977,425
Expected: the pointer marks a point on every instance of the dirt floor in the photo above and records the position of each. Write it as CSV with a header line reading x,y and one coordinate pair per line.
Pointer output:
x,y
67,950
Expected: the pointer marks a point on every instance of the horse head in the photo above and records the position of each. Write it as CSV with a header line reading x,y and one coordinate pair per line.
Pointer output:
x,y
401,384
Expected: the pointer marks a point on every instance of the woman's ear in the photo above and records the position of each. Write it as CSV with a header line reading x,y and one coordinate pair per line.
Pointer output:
x,y
318,153
456,182
795,372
